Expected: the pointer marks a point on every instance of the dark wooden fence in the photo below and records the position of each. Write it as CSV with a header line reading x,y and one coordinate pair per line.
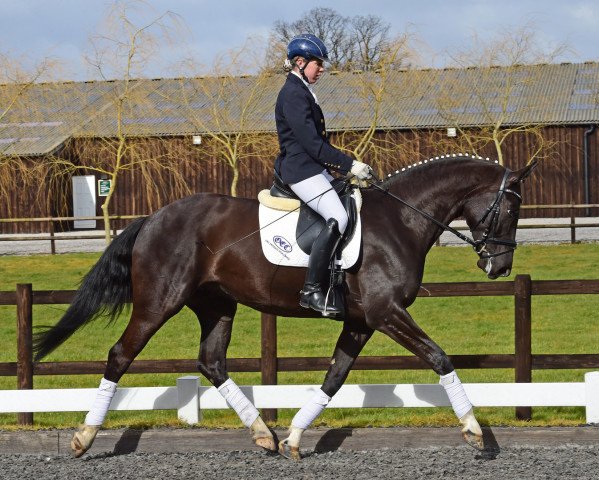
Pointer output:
x,y
522,360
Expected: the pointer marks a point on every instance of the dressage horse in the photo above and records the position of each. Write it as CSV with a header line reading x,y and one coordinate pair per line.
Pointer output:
x,y
203,252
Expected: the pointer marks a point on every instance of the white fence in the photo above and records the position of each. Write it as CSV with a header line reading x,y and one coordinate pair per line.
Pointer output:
x,y
189,398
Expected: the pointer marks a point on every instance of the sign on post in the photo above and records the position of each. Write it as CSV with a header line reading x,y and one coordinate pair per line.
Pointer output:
x,y
104,187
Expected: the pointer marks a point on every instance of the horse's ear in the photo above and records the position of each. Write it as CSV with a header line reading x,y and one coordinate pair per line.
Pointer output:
x,y
521,175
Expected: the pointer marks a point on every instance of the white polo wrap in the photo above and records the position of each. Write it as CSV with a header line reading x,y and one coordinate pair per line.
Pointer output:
x,y
101,404
456,393
311,410
239,402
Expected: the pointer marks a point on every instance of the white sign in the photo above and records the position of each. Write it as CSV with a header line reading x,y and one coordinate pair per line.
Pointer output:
x,y
84,200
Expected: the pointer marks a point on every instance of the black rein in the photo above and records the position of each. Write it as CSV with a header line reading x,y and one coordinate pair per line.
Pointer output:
x,y
489,234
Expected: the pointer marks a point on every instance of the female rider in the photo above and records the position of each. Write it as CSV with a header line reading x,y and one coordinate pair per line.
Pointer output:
x,y
306,157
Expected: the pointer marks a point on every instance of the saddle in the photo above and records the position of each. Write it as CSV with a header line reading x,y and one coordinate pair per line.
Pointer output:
x,y
310,223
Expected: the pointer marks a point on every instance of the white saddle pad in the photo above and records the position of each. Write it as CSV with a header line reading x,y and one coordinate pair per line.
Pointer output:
x,y
277,236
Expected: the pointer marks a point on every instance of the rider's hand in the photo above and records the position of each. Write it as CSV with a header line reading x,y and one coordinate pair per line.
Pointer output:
x,y
361,170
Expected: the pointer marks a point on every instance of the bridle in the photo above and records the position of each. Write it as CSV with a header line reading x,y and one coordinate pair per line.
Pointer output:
x,y
480,246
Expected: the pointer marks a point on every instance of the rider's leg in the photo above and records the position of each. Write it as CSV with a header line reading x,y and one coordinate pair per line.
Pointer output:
x,y
312,295
318,193
321,197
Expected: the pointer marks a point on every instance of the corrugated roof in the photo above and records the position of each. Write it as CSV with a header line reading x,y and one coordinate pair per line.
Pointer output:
x,y
44,116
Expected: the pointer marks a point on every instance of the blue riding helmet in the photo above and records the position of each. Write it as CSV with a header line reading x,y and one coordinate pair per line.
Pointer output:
x,y
308,46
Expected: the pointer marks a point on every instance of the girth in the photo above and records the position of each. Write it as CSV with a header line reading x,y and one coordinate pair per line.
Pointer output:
x,y
310,223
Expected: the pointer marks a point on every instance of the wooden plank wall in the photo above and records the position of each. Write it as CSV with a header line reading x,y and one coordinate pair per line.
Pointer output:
x,y
556,181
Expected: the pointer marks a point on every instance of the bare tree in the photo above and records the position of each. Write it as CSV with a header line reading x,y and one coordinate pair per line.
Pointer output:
x,y
353,43
499,72
228,108
372,43
16,83
123,51
378,91
328,25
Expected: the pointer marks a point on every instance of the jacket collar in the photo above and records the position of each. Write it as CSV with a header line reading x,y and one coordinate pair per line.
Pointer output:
x,y
296,77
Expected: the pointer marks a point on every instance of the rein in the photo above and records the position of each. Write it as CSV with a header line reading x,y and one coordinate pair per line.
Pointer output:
x,y
479,246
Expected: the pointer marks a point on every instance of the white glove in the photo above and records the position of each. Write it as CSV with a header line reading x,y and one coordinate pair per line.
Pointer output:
x,y
361,170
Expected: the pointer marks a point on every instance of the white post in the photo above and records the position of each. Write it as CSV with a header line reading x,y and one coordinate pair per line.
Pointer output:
x,y
188,391
591,381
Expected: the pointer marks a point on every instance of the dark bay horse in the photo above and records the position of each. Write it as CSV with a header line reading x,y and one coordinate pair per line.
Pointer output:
x,y
204,252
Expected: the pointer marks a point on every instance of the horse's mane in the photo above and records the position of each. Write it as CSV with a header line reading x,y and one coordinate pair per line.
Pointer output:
x,y
394,176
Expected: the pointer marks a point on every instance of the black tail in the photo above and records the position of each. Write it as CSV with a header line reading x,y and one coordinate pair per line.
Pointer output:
x,y
104,290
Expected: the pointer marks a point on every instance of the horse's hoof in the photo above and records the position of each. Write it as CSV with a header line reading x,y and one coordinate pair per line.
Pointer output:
x,y
473,440
289,451
82,439
267,443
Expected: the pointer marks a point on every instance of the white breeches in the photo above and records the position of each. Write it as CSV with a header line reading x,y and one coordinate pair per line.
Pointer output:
x,y
318,193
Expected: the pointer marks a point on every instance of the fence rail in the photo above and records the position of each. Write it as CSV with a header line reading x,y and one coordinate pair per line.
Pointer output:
x,y
52,237
189,398
269,364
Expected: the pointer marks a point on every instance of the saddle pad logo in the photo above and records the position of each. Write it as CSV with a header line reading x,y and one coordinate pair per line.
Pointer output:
x,y
282,244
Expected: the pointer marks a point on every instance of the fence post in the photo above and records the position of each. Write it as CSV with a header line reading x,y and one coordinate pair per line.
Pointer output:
x,y
572,225
188,399
591,380
24,345
52,240
523,337
268,362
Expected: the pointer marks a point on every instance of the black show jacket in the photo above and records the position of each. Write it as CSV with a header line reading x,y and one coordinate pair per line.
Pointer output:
x,y
305,148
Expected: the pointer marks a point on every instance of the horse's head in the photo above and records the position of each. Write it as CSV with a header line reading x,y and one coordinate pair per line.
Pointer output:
x,y
492,216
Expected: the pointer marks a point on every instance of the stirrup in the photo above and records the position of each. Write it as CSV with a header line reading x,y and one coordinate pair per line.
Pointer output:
x,y
312,297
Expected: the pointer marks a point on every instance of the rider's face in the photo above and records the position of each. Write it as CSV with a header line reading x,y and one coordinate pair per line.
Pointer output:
x,y
313,69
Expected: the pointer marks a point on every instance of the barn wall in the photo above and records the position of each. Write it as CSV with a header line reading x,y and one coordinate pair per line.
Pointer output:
x,y
558,180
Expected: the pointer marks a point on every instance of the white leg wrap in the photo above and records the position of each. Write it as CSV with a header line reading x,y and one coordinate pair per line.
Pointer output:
x,y
455,391
311,410
101,404
239,402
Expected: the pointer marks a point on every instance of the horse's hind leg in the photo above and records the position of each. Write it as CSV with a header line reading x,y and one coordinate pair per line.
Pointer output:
x,y
216,320
349,345
145,321
401,327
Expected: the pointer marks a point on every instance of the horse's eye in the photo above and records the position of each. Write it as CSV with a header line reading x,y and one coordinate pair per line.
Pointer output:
x,y
513,213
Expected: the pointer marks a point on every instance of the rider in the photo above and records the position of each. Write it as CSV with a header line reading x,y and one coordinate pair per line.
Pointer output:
x,y
306,157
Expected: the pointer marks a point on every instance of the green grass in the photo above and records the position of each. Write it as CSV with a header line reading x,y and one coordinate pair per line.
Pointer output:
x,y
461,325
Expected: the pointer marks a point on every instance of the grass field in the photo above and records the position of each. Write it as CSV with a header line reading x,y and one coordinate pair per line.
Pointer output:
x,y
461,325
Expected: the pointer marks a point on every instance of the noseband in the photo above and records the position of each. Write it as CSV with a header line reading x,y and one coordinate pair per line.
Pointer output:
x,y
480,246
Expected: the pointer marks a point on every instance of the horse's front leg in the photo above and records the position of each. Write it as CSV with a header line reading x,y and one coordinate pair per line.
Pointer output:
x,y
216,320
401,327
349,345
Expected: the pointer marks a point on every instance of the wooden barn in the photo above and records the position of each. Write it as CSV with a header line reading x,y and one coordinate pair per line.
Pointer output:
x,y
59,141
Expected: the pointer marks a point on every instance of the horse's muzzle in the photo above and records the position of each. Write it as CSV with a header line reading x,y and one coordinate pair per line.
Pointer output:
x,y
493,271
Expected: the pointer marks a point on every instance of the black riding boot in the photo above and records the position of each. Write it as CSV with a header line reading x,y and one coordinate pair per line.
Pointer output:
x,y
323,249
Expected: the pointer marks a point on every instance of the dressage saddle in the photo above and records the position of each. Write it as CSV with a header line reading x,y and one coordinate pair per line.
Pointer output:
x,y
310,223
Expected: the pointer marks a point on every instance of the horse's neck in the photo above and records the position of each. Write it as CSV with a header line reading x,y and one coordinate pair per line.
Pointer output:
x,y
439,191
